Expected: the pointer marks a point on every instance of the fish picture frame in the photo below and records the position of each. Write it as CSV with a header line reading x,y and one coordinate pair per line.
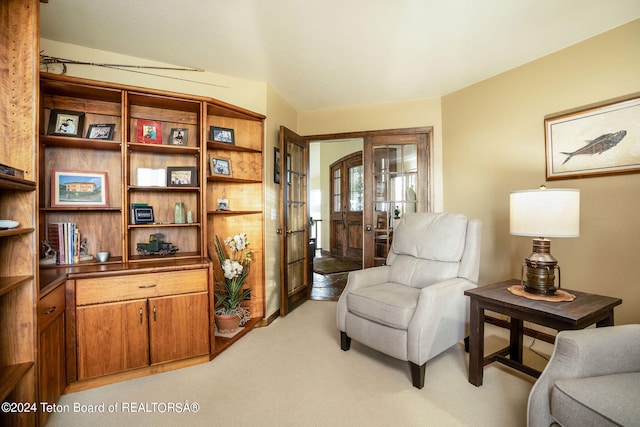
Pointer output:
x,y
599,140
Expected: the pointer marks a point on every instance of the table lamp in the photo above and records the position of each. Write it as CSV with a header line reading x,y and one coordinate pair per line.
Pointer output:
x,y
544,213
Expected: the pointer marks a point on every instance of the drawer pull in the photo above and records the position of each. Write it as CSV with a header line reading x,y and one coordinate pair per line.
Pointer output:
x,y
51,309
146,286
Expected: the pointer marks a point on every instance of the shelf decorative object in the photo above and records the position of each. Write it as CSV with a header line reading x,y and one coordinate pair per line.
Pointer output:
x,y
66,123
182,176
79,189
179,136
149,131
179,213
101,131
220,166
219,134
156,246
229,293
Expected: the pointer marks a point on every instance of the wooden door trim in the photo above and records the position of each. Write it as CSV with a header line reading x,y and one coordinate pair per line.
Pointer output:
x,y
369,133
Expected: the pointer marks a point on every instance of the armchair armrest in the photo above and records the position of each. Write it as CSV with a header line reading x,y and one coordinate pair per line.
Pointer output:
x,y
580,354
441,306
359,279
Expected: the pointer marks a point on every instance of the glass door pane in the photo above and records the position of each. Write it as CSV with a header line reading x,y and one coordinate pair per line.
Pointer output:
x,y
296,217
395,172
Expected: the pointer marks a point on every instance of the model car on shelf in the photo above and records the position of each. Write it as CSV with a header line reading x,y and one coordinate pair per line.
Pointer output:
x,y
156,246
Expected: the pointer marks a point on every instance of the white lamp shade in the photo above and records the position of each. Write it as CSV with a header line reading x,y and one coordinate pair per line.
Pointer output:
x,y
546,212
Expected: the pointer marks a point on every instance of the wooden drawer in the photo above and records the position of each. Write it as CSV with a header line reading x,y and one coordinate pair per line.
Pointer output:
x,y
136,286
50,306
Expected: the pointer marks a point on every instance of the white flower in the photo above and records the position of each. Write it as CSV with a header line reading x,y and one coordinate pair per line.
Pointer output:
x,y
232,269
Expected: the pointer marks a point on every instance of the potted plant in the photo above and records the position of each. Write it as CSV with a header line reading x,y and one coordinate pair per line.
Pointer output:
x,y
229,314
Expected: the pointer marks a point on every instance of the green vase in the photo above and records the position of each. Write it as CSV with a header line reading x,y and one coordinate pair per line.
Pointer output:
x,y
179,213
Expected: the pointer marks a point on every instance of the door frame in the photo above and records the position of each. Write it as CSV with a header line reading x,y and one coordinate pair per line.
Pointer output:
x,y
368,136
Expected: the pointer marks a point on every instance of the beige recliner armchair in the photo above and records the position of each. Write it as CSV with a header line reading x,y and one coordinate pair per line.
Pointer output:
x,y
592,379
413,308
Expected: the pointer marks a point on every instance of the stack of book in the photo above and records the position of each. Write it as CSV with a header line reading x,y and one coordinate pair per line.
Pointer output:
x,y
64,237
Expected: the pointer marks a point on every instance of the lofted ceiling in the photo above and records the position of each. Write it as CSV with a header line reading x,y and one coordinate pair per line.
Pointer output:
x,y
329,53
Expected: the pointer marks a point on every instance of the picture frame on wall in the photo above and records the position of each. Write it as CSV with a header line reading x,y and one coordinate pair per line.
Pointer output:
x,y
224,135
179,136
70,188
594,141
276,165
182,176
149,131
66,123
220,166
101,131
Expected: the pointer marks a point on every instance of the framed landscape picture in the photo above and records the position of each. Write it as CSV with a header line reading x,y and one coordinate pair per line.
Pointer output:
x,y
66,123
79,189
149,131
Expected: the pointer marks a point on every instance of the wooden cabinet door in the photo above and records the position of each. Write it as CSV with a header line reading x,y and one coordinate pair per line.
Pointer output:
x,y
178,327
51,359
112,338
51,349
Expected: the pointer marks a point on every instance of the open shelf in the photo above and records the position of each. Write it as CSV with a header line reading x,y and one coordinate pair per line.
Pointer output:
x,y
10,377
7,284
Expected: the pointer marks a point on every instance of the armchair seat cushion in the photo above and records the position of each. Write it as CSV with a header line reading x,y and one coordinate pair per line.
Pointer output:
x,y
605,400
388,303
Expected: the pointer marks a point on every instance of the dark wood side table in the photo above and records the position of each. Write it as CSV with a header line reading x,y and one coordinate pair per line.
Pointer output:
x,y
585,310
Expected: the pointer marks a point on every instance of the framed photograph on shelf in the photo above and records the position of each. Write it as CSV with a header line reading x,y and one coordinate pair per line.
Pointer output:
x,y
597,141
142,214
182,176
149,131
223,205
179,136
219,134
220,166
66,123
79,189
101,131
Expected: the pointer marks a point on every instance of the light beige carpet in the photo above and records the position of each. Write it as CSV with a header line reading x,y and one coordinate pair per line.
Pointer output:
x,y
293,373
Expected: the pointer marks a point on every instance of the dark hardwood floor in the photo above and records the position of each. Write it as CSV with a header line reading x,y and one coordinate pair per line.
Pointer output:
x,y
327,287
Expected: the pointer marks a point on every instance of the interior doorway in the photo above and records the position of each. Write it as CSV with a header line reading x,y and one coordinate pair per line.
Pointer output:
x,y
414,175
346,206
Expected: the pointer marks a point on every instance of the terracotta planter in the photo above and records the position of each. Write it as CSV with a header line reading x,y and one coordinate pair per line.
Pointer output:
x,y
228,323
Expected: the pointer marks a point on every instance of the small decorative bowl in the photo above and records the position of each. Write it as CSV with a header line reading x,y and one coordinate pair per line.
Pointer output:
x,y
7,223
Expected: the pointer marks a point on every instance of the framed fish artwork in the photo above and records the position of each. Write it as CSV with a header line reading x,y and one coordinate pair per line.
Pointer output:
x,y
595,141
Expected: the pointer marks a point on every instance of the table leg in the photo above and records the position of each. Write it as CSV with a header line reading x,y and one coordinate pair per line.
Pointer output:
x,y
476,343
515,340
607,321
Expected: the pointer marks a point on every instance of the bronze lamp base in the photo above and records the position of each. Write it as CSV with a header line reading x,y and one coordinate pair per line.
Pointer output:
x,y
541,266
